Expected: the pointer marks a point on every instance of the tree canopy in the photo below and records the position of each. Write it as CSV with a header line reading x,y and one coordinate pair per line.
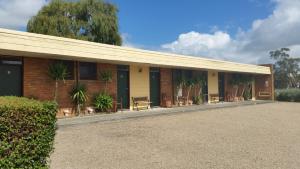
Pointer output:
x,y
286,69
91,20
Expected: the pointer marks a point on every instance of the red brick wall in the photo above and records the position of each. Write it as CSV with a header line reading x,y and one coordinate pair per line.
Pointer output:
x,y
261,85
96,86
37,83
166,86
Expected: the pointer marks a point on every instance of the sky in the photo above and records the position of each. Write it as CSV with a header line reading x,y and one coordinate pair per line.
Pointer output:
x,y
233,30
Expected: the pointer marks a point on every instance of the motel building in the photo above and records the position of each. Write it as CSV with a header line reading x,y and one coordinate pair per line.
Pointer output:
x,y
25,58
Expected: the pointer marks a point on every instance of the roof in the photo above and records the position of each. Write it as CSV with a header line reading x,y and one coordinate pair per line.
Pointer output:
x,y
45,46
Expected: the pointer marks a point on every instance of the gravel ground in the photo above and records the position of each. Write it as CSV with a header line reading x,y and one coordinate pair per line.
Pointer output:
x,y
250,137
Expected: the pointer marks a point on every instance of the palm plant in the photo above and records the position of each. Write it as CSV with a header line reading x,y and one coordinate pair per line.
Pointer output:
x,y
199,82
180,83
106,76
246,81
57,71
79,97
241,80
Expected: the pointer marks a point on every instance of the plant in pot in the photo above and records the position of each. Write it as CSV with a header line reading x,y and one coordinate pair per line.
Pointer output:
x,y
103,102
57,71
199,83
79,97
179,83
235,82
247,85
189,85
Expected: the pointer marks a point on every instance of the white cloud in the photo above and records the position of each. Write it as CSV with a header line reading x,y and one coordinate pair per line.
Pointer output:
x,y
15,13
194,43
126,38
280,29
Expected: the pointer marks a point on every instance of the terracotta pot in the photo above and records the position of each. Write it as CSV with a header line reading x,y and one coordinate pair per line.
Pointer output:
x,y
168,104
180,104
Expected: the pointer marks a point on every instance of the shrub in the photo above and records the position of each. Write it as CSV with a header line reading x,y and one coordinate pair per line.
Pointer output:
x,y
290,95
27,130
198,100
103,102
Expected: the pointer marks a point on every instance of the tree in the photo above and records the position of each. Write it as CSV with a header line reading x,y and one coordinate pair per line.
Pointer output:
x,y
106,76
90,20
190,83
57,71
286,68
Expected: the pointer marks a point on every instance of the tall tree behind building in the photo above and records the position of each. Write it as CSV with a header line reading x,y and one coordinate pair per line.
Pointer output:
x,y
91,20
287,69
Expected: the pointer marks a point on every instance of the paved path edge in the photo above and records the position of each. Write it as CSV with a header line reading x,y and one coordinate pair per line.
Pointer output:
x,y
149,113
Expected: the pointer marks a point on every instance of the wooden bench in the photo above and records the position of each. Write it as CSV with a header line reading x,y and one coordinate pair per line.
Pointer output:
x,y
214,98
141,102
264,94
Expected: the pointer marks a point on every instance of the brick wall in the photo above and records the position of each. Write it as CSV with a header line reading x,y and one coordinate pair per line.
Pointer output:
x,y
37,83
166,86
265,83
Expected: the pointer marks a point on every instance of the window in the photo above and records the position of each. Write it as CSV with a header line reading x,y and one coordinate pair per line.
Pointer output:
x,y
70,68
188,74
87,71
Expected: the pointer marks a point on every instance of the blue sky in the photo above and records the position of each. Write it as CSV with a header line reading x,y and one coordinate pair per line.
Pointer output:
x,y
154,22
233,30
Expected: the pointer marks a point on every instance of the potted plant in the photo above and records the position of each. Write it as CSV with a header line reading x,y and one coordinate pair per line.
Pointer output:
x,y
79,97
103,102
57,71
189,85
180,83
235,82
199,83
247,85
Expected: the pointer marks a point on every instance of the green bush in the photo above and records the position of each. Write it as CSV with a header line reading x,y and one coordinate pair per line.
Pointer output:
x,y
27,130
198,100
290,95
103,102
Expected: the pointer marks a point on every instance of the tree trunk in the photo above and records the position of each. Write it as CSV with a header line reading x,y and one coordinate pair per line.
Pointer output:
x,y
188,94
78,109
55,91
105,87
200,90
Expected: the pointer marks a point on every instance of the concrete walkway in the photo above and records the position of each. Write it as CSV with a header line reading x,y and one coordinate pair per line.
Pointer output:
x,y
151,112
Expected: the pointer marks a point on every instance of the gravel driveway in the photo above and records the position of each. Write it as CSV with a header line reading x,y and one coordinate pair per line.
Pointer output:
x,y
259,136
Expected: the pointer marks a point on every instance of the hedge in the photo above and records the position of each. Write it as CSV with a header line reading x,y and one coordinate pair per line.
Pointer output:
x,y
27,130
290,95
